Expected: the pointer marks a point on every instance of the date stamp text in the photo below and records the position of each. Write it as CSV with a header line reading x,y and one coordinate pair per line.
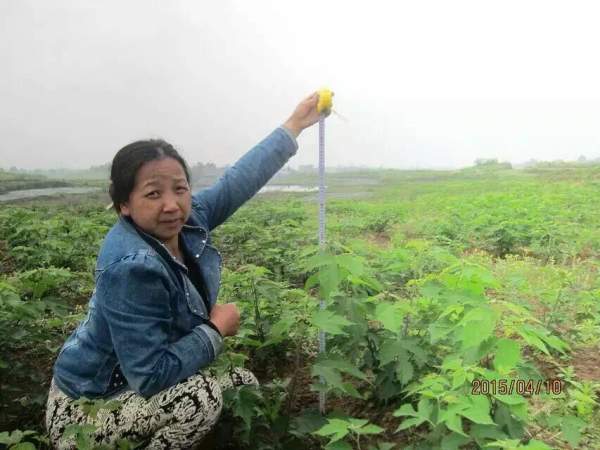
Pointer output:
x,y
516,386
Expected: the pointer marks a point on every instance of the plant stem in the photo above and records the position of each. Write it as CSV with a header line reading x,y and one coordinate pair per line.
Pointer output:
x,y
358,442
257,319
294,383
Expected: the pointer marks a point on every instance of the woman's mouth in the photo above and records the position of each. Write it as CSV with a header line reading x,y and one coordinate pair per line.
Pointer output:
x,y
171,223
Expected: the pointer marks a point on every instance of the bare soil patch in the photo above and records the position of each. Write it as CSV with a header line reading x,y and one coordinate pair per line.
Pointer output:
x,y
586,362
380,239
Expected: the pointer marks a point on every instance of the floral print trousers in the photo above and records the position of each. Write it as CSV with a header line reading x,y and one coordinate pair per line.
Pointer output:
x,y
177,418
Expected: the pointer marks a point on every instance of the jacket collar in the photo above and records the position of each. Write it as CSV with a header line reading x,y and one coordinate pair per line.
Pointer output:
x,y
190,226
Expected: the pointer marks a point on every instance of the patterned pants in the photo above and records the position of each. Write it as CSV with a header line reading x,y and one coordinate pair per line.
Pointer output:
x,y
176,418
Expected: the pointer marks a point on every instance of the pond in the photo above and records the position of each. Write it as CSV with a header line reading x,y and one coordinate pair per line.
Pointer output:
x,y
32,193
287,188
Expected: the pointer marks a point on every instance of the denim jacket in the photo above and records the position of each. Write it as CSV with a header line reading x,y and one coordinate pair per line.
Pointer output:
x,y
146,329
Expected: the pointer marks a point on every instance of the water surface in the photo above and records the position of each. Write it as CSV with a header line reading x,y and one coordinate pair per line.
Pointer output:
x,y
32,193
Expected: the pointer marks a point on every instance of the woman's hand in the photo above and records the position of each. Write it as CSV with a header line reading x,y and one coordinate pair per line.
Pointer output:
x,y
304,115
226,318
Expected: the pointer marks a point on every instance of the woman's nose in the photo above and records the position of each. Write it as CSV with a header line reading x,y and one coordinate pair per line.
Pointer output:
x,y
170,203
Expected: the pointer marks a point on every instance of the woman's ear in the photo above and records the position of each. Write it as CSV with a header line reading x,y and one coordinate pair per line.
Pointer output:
x,y
124,209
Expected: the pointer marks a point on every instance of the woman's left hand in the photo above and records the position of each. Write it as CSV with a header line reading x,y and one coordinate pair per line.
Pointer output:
x,y
304,115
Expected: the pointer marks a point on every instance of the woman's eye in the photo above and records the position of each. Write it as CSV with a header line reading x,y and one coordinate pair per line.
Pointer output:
x,y
182,189
153,194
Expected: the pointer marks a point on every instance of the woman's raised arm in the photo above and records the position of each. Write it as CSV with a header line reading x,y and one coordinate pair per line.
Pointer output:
x,y
252,171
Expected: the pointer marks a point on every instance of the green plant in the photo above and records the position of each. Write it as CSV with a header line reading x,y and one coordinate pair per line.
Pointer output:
x,y
340,430
21,440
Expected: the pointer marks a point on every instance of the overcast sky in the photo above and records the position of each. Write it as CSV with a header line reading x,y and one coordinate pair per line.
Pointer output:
x,y
422,83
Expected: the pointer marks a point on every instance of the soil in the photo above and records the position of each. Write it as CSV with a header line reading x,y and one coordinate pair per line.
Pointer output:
x,y
586,362
382,240
7,264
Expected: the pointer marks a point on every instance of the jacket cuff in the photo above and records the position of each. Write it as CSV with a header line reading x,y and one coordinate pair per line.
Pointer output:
x,y
292,138
214,337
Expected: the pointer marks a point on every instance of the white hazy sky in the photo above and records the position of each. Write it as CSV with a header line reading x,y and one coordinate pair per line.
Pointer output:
x,y
423,83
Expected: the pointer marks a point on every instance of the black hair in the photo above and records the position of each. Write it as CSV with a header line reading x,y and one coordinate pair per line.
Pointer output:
x,y
128,161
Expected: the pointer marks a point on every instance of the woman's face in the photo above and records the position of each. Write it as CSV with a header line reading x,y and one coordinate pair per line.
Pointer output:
x,y
161,200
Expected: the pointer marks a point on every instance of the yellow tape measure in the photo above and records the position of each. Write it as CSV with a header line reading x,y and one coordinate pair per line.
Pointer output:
x,y
325,101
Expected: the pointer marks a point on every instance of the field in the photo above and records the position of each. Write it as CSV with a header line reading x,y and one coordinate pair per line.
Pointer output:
x,y
463,311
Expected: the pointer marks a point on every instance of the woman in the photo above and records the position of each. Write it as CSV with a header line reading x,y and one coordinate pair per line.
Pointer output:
x,y
153,322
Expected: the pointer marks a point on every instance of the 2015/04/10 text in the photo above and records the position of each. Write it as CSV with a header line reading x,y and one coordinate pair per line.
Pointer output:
x,y
504,386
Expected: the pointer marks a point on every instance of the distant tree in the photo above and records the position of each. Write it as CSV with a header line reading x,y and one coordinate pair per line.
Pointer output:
x,y
486,161
105,166
492,163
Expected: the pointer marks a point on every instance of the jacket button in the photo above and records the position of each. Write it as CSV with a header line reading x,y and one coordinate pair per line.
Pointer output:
x,y
204,241
197,255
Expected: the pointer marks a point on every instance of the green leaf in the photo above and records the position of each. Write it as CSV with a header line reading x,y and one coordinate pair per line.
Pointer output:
x,y
405,410
312,281
329,280
454,423
246,401
338,445
438,331
412,422
279,331
341,365
351,263
536,445
520,411
423,413
412,345
356,423
369,429
317,260
508,355
478,325
536,334
349,389
390,350
335,429
478,410
390,316
23,446
331,376
425,408
307,422
512,400
533,340
484,433
13,437
453,441
330,322
505,444
75,429
452,410
571,428
404,372
556,343
458,378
